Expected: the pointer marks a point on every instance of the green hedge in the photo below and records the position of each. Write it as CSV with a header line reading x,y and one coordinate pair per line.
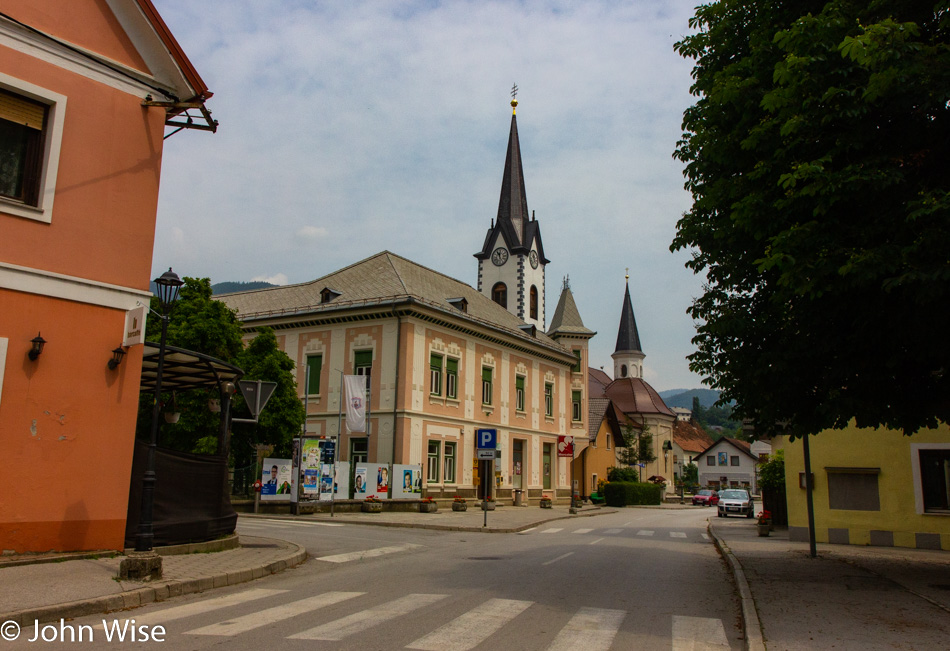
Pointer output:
x,y
624,493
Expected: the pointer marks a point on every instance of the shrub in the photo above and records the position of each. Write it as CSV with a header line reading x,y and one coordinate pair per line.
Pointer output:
x,y
632,493
622,474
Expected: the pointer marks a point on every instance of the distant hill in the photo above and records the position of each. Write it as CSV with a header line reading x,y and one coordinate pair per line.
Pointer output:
x,y
230,287
684,397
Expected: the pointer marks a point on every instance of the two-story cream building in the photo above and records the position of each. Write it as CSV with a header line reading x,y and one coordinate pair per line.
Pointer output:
x,y
444,358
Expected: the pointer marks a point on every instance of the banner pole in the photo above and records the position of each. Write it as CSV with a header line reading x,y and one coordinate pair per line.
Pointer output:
x,y
339,440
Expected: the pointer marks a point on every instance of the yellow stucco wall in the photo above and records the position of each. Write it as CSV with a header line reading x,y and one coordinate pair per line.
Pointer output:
x,y
893,457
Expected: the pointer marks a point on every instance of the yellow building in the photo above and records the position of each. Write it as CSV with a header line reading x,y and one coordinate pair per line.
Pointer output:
x,y
872,487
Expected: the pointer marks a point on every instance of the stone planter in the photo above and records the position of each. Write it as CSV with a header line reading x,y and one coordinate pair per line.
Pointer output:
x,y
459,506
371,507
763,529
547,504
488,506
428,507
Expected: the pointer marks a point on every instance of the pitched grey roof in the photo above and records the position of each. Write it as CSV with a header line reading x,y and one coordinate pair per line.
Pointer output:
x,y
627,337
382,280
567,320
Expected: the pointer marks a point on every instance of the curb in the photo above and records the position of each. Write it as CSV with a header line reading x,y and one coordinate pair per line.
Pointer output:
x,y
466,528
754,640
157,592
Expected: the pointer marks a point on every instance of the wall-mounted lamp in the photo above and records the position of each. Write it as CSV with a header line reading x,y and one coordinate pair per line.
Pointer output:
x,y
117,354
667,446
37,348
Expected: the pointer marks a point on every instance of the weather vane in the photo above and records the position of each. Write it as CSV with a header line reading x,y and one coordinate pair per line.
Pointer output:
x,y
514,91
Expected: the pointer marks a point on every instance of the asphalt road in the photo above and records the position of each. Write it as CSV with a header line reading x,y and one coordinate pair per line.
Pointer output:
x,y
635,579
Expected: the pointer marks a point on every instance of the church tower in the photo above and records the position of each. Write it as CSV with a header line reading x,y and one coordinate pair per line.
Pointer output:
x,y
627,356
511,262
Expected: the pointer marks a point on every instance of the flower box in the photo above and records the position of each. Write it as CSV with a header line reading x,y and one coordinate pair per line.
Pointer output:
x,y
763,528
459,506
428,507
488,505
547,503
371,507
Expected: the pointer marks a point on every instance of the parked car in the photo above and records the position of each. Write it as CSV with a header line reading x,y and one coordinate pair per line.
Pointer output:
x,y
706,498
736,501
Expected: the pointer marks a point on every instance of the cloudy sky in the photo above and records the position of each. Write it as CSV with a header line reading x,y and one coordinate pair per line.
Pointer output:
x,y
349,128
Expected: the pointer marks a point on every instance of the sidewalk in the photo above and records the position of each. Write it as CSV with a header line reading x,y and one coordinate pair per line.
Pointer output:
x,y
848,597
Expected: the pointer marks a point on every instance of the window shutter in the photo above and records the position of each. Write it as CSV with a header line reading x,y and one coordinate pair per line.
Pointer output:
x,y
20,110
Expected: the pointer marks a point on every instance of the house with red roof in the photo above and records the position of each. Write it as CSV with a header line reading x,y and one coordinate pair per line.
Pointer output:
x,y
88,92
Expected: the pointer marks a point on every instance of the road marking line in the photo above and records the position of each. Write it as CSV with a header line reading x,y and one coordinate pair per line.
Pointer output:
x,y
554,560
295,523
469,630
698,634
594,542
521,533
582,531
705,536
554,530
591,629
357,622
644,532
628,524
276,614
677,534
201,607
613,531
366,553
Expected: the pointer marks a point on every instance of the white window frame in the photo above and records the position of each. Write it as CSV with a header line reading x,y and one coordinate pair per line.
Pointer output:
x,y
549,400
52,147
520,393
451,379
429,459
446,467
435,375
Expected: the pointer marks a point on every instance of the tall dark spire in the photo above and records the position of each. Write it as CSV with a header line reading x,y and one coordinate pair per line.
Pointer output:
x,y
513,204
628,339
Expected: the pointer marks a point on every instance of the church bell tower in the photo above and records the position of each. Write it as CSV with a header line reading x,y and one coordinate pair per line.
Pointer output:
x,y
511,263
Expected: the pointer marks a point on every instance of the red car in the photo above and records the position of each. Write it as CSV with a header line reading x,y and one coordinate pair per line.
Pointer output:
x,y
706,498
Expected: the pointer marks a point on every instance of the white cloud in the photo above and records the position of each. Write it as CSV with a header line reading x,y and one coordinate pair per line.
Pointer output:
x,y
385,124
276,279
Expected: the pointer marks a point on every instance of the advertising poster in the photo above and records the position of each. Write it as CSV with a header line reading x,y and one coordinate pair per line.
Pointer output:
x,y
382,481
311,466
407,482
276,479
342,480
359,481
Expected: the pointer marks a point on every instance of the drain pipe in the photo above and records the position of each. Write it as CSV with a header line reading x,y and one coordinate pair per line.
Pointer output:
x,y
396,381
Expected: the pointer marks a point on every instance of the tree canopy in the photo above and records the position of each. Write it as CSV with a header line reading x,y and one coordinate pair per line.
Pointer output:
x,y
817,157
201,324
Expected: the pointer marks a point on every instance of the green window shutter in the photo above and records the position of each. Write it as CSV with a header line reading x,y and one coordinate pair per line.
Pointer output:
x,y
519,382
577,364
452,365
451,377
363,358
314,365
435,361
486,375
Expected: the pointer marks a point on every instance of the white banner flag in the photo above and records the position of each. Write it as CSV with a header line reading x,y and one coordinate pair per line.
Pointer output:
x,y
355,402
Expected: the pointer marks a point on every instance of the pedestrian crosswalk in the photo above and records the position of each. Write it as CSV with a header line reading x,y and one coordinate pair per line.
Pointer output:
x,y
426,621
643,533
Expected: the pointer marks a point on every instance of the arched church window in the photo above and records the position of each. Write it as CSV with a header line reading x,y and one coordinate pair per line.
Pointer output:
x,y
623,370
534,303
499,294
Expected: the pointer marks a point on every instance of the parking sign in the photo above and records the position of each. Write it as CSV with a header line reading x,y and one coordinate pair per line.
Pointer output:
x,y
486,439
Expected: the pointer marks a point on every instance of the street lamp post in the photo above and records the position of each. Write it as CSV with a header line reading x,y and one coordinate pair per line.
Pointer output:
x,y
168,285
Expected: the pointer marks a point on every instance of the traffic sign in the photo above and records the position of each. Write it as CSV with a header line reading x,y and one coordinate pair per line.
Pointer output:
x,y
486,439
485,455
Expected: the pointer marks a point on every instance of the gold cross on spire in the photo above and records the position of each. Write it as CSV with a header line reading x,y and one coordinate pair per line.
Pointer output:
x,y
627,277
514,98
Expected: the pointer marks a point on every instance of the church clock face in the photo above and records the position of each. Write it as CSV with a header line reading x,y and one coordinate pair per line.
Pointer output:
x,y
499,256
533,259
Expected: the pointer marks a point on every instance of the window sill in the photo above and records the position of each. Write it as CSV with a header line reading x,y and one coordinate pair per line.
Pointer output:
x,y
20,209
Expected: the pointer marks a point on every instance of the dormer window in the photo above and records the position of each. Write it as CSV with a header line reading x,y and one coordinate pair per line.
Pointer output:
x,y
459,304
529,329
327,295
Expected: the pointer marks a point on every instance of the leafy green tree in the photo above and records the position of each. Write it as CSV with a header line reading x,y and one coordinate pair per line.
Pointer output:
x,y
816,157
772,472
690,474
638,446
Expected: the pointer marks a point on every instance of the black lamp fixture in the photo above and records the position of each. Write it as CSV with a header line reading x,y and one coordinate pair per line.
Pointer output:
x,y
37,348
167,287
117,354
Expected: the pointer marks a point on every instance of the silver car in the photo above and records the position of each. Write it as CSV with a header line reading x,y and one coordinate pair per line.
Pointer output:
x,y
735,501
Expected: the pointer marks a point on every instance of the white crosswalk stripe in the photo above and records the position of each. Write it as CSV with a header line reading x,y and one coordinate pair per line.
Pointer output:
x,y
705,536
582,531
698,634
471,629
612,532
362,620
366,553
201,607
554,530
275,614
591,629
677,534
644,532
289,523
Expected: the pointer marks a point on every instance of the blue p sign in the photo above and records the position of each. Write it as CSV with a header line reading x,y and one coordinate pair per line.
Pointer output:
x,y
486,439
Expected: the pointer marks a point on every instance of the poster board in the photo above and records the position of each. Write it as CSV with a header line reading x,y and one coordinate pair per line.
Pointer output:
x,y
407,482
277,480
371,479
